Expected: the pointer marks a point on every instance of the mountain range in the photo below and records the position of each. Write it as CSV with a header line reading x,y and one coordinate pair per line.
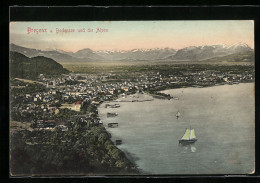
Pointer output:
x,y
192,53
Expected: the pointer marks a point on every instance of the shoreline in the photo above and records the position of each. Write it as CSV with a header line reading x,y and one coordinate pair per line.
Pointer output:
x,y
130,157
208,86
128,154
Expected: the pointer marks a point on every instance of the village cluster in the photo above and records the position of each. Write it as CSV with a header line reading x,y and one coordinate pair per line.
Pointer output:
x,y
80,94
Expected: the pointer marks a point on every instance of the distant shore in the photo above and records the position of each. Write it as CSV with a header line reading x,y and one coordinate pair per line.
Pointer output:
x,y
165,96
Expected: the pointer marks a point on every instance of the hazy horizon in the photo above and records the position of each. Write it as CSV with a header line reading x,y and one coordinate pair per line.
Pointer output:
x,y
129,35
131,49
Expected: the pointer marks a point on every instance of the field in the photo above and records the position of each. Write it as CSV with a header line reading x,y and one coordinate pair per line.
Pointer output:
x,y
121,67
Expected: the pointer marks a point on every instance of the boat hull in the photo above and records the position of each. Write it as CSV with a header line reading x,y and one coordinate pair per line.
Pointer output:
x,y
187,141
112,125
118,142
109,115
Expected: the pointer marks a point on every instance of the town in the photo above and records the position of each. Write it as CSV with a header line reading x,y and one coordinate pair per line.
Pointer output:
x,y
81,94
60,113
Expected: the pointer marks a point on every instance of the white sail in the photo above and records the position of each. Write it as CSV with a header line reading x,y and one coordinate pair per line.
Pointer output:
x,y
186,135
192,134
178,114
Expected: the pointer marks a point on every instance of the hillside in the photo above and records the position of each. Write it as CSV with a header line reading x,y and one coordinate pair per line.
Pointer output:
x,y
245,57
30,68
57,55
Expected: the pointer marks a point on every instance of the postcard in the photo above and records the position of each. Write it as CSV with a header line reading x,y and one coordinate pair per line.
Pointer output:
x,y
98,98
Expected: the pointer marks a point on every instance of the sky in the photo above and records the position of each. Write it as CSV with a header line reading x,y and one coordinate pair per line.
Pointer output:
x,y
128,35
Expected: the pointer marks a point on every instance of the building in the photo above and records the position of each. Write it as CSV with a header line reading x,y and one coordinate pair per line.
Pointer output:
x,y
78,105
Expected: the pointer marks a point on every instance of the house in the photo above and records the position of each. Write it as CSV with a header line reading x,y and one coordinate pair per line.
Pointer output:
x,y
49,84
125,88
47,99
63,128
66,96
78,105
225,79
111,92
52,92
95,102
52,109
56,111
87,96
73,93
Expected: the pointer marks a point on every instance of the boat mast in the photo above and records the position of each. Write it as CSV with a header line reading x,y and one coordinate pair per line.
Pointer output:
x,y
178,114
190,130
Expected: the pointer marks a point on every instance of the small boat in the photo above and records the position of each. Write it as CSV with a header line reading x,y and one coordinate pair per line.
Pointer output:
x,y
118,142
112,125
188,137
178,114
112,106
109,114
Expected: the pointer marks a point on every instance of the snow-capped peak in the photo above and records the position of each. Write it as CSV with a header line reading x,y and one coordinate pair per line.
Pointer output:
x,y
239,45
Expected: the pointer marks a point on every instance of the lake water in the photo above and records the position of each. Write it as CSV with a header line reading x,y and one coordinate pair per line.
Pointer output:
x,y
223,118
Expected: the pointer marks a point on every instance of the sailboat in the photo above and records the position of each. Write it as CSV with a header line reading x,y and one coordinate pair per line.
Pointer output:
x,y
188,137
178,114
